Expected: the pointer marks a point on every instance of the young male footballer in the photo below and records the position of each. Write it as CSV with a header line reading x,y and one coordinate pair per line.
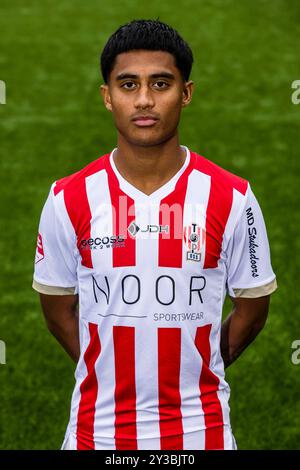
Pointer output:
x,y
136,253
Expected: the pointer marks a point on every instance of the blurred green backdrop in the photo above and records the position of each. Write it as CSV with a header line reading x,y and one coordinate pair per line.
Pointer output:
x,y
54,123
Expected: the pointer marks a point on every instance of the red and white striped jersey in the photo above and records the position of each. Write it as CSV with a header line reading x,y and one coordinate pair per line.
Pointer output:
x,y
152,272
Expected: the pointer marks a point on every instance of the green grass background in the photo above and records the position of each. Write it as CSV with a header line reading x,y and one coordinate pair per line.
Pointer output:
x,y
54,123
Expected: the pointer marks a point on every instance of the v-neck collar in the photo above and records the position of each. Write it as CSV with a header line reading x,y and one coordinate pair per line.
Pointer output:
x,y
159,193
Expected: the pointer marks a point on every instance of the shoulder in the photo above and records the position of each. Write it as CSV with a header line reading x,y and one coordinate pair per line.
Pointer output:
x,y
73,181
219,176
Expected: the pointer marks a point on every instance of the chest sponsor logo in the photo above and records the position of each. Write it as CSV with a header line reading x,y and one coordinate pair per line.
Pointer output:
x,y
39,249
133,228
194,238
131,290
112,241
131,295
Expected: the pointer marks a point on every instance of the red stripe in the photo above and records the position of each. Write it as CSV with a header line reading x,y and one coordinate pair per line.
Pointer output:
x,y
170,418
80,215
89,392
123,211
209,384
219,206
77,204
125,392
171,213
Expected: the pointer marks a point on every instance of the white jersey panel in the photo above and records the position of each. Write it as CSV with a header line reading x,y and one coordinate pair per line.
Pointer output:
x,y
194,217
248,261
102,217
55,263
147,410
191,406
104,430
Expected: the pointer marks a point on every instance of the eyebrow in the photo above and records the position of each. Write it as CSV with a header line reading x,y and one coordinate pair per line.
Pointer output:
x,y
169,75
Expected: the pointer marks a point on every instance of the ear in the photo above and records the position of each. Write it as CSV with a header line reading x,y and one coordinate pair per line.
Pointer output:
x,y
187,93
104,90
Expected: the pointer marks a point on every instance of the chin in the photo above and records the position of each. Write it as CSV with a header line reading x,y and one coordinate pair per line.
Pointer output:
x,y
145,142
147,139
148,142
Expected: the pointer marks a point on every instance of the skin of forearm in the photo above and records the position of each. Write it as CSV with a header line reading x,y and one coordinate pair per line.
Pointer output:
x,y
236,335
67,334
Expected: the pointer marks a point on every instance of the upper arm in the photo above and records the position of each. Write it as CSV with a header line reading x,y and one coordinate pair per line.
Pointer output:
x,y
58,308
251,311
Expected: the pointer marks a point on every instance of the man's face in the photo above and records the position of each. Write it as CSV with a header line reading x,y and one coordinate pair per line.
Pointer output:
x,y
146,84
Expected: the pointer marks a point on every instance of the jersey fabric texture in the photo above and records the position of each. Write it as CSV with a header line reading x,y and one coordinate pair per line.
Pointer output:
x,y
152,272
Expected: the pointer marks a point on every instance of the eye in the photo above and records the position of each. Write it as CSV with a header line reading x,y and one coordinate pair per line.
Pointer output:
x,y
161,84
130,87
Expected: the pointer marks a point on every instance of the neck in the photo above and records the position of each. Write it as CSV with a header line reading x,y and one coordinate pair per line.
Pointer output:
x,y
148,168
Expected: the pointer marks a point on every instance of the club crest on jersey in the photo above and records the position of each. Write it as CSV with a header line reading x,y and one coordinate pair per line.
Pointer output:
x,y
194,238
39,249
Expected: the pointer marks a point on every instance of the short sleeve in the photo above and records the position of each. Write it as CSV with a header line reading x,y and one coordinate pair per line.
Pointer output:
x,y
55,261
248,253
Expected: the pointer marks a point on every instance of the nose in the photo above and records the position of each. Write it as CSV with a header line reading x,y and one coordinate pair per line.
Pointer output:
x,y
144,98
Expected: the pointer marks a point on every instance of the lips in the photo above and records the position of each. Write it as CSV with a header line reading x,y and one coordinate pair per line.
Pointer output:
x,y
144,121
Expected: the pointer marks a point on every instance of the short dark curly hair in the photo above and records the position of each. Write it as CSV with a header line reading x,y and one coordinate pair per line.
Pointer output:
x,y
150,35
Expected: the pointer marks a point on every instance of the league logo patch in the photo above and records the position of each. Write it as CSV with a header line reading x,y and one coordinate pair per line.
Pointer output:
x,y
194,238
39,249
